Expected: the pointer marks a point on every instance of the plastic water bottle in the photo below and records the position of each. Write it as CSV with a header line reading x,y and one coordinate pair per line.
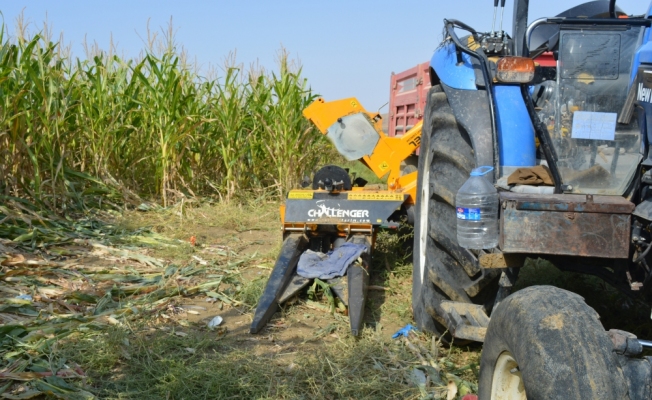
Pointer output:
x,y
476,205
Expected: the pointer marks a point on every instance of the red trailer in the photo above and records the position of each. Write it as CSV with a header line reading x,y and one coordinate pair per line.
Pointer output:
x,y
407,98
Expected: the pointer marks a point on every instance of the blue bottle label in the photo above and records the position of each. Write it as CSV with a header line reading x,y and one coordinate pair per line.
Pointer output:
x,y
472,214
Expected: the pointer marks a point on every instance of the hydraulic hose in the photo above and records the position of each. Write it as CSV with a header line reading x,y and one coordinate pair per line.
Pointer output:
x,y
612,8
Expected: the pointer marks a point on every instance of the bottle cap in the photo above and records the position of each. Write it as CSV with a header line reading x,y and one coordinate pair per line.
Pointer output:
x,y
481,170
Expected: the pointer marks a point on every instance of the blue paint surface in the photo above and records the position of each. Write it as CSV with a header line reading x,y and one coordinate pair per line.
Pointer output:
x,y
444,62
516,144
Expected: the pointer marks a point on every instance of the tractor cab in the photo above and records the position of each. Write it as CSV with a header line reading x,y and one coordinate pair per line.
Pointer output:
x,y
556,110
586,101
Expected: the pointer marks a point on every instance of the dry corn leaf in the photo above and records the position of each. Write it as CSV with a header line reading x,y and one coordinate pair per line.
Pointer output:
x,y
14,260
452,390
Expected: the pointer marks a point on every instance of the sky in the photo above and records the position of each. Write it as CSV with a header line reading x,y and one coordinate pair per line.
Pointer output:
x,y
346,48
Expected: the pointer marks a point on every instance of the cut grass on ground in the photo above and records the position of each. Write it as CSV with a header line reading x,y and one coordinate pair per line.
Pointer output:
x,y
150,363
123,314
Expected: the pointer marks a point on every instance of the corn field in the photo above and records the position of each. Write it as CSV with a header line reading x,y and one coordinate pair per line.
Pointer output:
x,y
78,133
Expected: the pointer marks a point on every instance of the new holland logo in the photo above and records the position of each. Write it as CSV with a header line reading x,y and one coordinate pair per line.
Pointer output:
x,y
644,94
322,211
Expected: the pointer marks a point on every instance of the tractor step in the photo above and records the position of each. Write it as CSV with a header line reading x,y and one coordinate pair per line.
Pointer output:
x,y
465,321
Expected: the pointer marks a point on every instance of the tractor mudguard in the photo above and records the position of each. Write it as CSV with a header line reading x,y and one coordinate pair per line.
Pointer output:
x,y
516,144
445,63
471,110
465,89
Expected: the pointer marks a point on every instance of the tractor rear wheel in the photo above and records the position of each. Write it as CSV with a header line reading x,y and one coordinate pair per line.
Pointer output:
x,y
546,343
442,269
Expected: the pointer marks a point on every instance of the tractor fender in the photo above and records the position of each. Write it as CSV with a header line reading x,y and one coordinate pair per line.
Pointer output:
x,y
515,135
471,111
449,71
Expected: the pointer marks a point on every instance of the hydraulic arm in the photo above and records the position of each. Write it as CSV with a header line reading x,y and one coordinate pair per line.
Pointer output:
x,y
357,135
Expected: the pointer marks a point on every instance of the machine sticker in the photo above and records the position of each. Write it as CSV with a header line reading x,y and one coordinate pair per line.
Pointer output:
x,y
645,91
383,165
338,210
376,196
346,215
472,214
416,141
300,194
594,125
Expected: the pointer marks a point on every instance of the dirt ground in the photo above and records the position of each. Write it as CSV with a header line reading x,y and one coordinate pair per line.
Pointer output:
x,y
259,240
123,312
148,283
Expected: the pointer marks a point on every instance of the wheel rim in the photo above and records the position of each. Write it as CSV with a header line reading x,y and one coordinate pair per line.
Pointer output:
x,y
507,382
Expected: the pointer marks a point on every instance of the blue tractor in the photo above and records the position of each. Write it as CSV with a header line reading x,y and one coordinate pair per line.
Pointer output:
x,y
562,111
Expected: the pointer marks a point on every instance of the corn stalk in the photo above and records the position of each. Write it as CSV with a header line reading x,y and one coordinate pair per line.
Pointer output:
x,y
86,133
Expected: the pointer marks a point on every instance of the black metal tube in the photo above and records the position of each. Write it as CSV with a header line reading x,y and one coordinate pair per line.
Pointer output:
x,y
519,26
484,67
612,8
600,22
459,24
544,138
644,253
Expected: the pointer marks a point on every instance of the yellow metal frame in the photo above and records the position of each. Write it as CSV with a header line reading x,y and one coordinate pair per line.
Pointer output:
x,y
385,161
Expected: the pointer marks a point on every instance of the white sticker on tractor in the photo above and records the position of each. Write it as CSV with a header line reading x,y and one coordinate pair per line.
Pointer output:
x,y
594,125
644,94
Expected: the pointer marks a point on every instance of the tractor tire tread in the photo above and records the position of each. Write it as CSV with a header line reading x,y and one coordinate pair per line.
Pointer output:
x,y
559,344
451,272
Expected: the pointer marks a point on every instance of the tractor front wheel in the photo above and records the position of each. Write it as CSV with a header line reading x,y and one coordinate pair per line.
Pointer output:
x,y
546,343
